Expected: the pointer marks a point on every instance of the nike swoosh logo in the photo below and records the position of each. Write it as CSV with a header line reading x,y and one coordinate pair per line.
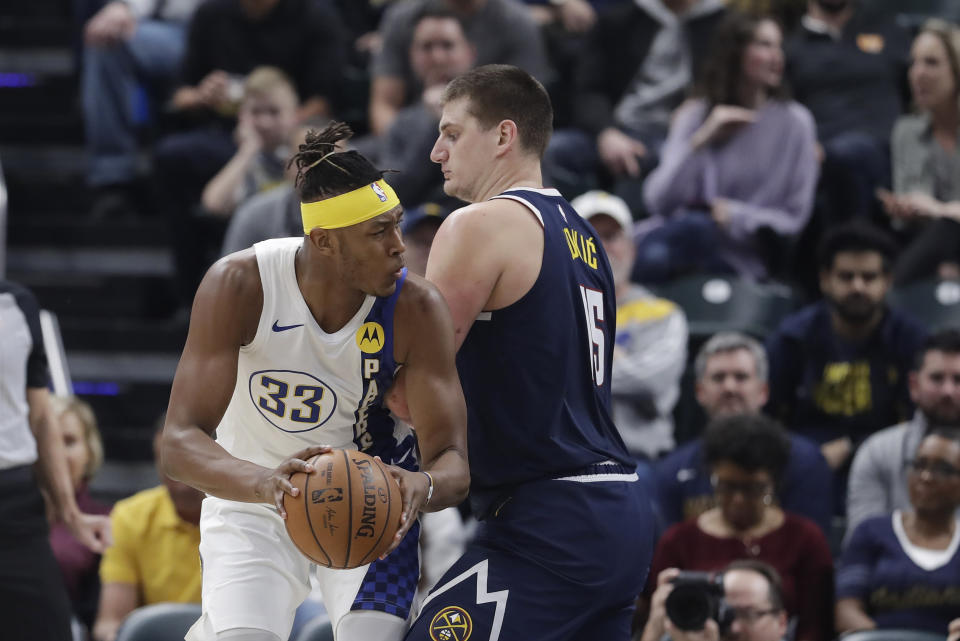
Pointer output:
x,y
282,328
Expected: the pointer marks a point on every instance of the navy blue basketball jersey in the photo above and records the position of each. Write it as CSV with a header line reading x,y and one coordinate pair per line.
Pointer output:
x,y
536,374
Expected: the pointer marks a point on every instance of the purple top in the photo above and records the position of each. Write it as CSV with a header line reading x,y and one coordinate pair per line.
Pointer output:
x,y
74,558
767,170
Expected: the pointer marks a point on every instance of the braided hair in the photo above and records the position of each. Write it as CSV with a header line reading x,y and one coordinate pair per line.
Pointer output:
x,y
324,172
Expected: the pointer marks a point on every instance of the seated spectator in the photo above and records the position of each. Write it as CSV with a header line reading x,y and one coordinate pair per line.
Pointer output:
x,y
746,454
903,571
502,31
155,554
129,44
839,368
439,52
635,69
265,125
84,450
848,68
878,480
926,158
650,352
227,40
731,378
752,589
739,159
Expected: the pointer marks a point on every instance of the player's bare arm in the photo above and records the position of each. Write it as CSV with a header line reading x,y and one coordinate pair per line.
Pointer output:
x,y
485,256
225,316
425,346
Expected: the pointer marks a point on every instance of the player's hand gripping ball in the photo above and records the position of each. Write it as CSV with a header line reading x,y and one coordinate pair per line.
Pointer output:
x,y
347,510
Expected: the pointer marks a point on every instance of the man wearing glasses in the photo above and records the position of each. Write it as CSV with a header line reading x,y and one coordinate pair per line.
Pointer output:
x,y
878,477
752,591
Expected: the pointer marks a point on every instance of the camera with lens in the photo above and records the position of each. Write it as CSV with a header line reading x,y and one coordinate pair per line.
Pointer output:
x,y
697,597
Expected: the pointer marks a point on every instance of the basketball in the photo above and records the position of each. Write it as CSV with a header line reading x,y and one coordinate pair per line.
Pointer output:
x,y
347,512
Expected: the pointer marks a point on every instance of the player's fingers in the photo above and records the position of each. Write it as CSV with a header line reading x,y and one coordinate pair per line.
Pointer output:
x,y
278,501
286,487
398,537
310,452
296,465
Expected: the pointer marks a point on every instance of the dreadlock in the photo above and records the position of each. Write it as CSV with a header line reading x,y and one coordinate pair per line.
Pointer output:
x,y
324,172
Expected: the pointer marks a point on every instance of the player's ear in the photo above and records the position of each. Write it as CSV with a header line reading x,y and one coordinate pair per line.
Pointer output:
x,y
322,240
508,135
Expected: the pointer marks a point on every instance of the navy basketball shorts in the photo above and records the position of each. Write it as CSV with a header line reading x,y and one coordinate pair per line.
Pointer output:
x,y
561,559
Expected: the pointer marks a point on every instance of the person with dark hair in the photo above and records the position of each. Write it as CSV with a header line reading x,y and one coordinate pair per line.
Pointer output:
x,y
901,571
838,367
731,378
295,334
440,50
739,162
35,603
746,454
753,590
531,293
502,31
878,480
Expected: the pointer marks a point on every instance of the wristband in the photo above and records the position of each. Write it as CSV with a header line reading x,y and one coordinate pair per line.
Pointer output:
x,y
430,488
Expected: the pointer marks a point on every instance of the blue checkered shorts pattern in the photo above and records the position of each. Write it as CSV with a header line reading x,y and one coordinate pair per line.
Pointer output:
x,y
391,584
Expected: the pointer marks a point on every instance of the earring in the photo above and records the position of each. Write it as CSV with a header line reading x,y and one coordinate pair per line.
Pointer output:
x,y
768,499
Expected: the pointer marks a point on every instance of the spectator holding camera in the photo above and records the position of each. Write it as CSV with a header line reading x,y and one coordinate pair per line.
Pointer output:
x,y
752,610
746,455
901,571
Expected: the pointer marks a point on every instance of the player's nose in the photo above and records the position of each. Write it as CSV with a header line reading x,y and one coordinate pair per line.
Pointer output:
x,y
436,152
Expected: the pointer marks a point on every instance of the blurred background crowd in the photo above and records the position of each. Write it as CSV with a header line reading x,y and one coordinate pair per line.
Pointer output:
x,y
776,183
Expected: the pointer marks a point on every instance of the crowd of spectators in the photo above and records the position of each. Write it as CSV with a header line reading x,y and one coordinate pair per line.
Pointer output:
x,y
697,137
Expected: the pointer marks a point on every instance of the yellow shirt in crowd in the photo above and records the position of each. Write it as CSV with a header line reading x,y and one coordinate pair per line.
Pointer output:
x,y
153,549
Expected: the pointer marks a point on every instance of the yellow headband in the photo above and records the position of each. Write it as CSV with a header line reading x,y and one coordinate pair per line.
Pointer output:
x,y
350,208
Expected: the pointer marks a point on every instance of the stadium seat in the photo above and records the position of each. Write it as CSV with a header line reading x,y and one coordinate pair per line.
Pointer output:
x,y
716,303
893,635
159,622
318,629
934,303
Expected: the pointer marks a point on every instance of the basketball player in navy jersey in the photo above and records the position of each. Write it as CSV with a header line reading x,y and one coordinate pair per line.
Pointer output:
x,y
292,345
565,538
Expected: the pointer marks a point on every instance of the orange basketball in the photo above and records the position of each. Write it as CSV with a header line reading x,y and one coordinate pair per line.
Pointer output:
x,y
347,512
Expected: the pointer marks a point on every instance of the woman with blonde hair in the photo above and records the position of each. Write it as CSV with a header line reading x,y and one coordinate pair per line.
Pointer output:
x,y
926,158
84,450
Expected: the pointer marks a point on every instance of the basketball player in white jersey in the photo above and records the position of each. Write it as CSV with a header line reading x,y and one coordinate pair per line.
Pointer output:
x,y
291,348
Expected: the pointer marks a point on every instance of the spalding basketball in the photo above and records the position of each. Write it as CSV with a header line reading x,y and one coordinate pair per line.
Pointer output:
x,y
347,512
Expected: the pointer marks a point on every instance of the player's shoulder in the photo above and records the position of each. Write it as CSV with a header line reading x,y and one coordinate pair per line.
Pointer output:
x,y
480,222
419,297
236,274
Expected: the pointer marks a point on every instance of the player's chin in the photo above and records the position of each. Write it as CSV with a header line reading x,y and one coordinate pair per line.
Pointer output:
x,y
387,289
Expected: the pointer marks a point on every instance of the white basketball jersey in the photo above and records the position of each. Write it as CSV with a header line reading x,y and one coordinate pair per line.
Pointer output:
x,y
299,386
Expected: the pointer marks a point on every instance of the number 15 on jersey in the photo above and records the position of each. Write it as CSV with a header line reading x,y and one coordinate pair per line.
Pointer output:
x,y
593,309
